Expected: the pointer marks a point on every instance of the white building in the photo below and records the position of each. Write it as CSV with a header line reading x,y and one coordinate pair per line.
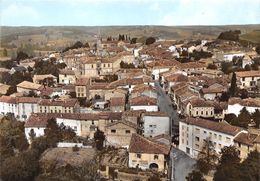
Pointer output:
x,y
155,123
235,105
26,106
144,103
195,131
248,79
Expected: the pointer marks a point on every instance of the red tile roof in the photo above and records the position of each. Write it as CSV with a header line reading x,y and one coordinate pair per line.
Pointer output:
x,y
255,73
215,126
246,138
139,144
143,100
117,101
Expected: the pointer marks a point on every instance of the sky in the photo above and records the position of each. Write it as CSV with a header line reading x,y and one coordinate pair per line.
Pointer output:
x,y
128,12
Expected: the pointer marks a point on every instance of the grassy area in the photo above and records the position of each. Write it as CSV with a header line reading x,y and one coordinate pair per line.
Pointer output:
x,y
253,36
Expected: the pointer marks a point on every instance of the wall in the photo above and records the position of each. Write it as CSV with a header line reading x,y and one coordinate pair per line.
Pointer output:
x,y
155,125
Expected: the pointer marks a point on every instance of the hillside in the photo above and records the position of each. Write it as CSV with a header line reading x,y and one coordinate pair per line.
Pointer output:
x,y
253,36
61,36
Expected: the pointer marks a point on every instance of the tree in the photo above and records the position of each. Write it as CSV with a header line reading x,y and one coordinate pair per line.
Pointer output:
x,y
133,41
247,67
228,166
21,56
99,138
207,157
150,40
250,167
195,175
230,117
230,35
12,132
257,49
233,87
226,67
23,167
32,135
212,66
5,52
256,117
243,119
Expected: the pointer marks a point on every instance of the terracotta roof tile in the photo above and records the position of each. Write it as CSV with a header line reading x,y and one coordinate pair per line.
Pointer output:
x,y
143,100
215,126
139,144
246,138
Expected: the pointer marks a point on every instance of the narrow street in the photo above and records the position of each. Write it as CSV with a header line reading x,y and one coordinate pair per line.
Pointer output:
x,y
181,165
165,105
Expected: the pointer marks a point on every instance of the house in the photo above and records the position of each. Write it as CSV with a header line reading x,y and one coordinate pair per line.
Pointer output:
x,y
161,66
247,142
36,124
198,107
190,67
212,92
117,104
58,106
83,124
172,80
195,131
235,105
82,87
155,123
117,92
119,133
143,103
67,76
144,90
26,87
148,154
4,89
46,79
248,79
26,106
8,105
100,90
130,83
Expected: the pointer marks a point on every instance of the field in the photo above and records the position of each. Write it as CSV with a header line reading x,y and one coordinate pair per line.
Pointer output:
x,y
52,37
253,36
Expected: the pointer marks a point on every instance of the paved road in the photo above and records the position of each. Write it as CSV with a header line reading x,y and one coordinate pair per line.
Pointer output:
x,y
181,165
165,105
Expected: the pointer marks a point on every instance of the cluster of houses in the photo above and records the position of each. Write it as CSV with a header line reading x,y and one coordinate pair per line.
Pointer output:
x,y
127,109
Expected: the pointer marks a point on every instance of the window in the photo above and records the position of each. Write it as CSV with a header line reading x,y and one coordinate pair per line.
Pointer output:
x,y
197,138
93,122
156,157
219,137
92,66
187,142
187,150
197,112
138,155
127,131
113,131
228,139
219,145
205,132
108,65
197,130
183,127
215,135
182,141
197,146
